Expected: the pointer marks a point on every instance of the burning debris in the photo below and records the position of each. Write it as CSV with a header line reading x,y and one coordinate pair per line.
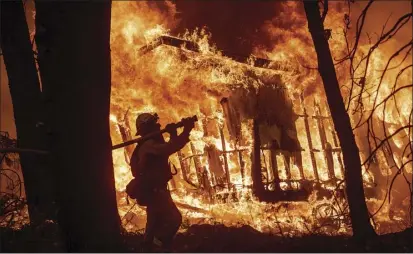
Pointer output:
x,y
219,170
265,138
263,150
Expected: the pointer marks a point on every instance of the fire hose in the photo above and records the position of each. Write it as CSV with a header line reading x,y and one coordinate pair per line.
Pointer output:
x,y
152,134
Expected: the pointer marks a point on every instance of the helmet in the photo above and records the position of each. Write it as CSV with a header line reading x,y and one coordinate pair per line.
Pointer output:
x,y
145,119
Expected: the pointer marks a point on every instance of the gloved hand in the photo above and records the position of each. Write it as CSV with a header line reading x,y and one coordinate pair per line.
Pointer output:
x,y
171,129
188,123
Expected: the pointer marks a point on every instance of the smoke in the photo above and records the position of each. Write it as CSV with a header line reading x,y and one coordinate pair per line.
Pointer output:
x,y
273,30
235,25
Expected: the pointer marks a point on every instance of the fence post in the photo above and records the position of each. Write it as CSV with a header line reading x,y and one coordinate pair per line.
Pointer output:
x,y
310,143
224,154
197,166
323,138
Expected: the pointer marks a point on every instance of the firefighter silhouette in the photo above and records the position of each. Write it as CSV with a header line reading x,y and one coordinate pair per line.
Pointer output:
x,y
150,167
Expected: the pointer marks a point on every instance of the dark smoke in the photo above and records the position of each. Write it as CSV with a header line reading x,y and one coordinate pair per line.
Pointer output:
x,y
236,26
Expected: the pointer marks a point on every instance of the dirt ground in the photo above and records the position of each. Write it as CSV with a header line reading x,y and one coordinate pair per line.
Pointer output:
x,y
214,238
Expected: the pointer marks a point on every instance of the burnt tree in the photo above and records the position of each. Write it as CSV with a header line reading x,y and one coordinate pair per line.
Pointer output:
x,y
359,214
74,61
380,135
27,105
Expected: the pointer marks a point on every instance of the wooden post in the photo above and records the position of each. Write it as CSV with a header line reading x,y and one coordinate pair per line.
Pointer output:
x,y
297,156
242,167
258,187
183,166
274,166
232,120
323,138
340,162
310,143
330,161
207,185
265,169
224,154
198,168
287,159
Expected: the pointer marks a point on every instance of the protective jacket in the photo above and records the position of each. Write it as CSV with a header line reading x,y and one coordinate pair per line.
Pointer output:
x,y
150,166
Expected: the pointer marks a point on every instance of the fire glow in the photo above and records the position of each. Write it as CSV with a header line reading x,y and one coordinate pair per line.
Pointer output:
x,y
213,181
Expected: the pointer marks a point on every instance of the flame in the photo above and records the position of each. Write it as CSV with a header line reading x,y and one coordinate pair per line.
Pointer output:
x,y
176,83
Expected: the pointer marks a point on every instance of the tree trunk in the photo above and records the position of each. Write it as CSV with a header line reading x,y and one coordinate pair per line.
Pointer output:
x,y
359,214
27,105
411,148
74,60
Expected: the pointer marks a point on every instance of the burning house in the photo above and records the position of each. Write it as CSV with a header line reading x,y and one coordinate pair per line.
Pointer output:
x,y
264,151
253,143
270,111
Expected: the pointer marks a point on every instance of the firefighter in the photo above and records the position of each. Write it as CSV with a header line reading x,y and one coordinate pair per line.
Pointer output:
x,y
151,158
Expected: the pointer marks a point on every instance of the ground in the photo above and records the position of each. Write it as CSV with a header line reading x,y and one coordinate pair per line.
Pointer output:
x,y
214,238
